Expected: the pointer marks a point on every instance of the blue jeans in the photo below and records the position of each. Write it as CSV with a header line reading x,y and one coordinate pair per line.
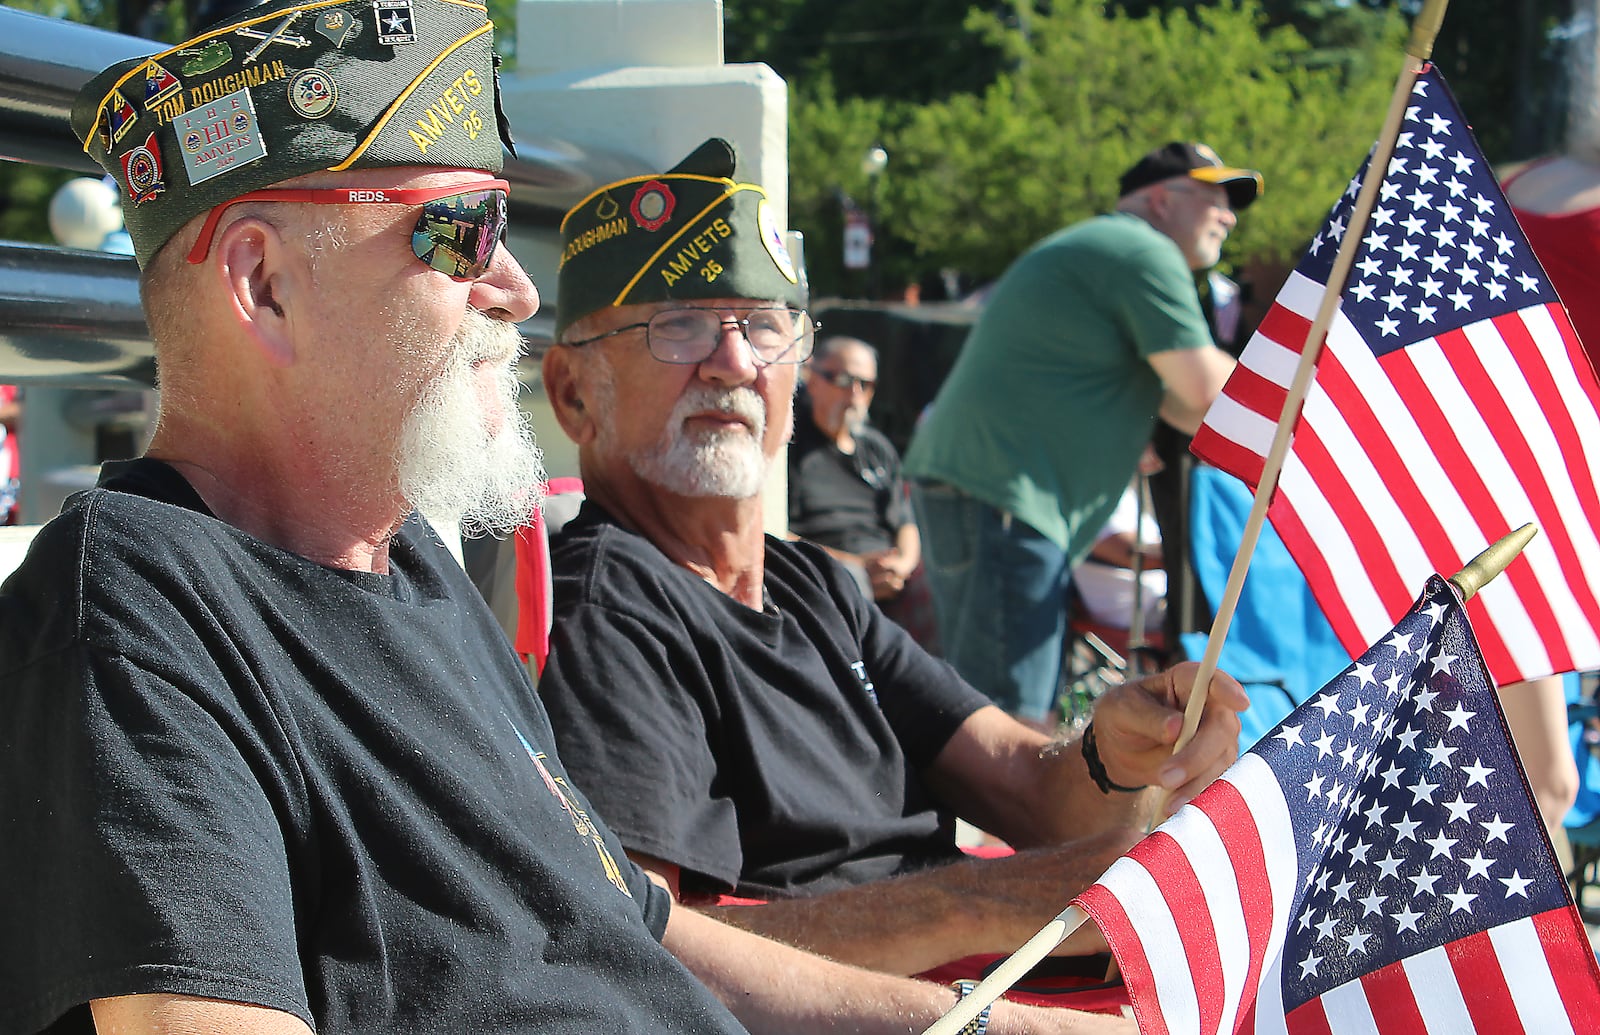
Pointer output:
x,y
1000,592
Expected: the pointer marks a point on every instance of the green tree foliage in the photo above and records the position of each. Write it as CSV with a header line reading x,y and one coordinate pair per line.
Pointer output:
x,y
903,50
975,178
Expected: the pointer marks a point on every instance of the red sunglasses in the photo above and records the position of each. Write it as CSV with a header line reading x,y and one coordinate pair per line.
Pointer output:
x,y
456,234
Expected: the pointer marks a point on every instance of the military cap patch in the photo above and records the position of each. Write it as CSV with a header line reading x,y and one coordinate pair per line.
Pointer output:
x,y
312,93
397,23
652,205
205,59
159,84
337,26
141,168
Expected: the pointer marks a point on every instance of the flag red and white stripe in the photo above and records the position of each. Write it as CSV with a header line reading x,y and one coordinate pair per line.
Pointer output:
x,y
1372,865
1452,403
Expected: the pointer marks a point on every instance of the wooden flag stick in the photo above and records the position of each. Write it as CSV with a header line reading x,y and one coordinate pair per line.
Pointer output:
x,y
1420,45
1009,972
1418,48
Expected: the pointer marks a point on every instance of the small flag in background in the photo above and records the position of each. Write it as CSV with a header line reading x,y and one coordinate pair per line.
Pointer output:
x,y
1452,403
1374,864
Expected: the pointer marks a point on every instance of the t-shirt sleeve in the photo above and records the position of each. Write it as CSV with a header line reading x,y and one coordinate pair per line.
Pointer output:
x,y
616,692
136,820
1159,305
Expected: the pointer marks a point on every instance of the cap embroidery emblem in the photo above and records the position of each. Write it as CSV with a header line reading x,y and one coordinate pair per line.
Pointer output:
x,y
337,27
221,136
141,168
205,59
120,116
159,84
772,237
277,35
312,93
396,22
652,205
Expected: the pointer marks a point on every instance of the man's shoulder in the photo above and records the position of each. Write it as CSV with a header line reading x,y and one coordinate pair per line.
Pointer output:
x,y
1114,235
594,560
108,558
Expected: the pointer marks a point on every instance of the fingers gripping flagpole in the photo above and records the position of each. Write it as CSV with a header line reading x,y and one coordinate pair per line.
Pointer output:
x,y
1418,47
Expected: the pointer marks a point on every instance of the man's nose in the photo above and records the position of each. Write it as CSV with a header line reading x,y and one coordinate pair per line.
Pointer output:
x,y
733,360
504,289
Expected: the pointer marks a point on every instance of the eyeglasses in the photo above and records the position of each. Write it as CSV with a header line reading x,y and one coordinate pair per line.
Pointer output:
x,y
846,381
690,334
456,234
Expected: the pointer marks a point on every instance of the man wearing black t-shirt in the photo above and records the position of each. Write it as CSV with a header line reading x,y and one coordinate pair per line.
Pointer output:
x,y
845,490
268,765
742,716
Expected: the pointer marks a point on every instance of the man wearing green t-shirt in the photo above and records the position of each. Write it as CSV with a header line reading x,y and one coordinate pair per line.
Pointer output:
x,y
1087,338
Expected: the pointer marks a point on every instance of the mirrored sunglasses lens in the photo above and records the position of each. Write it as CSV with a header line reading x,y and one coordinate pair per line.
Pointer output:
x,y
457,235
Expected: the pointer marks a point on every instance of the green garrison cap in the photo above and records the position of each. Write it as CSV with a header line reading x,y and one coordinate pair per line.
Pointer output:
x,y
287,88
692,232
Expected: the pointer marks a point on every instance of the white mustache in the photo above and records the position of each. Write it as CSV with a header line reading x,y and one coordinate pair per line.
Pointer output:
x,y
742,401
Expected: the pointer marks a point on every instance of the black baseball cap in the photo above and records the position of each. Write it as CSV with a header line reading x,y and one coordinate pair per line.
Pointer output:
x,y
1197,161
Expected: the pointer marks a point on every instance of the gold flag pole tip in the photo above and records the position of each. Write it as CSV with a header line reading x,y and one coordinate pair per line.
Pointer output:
x,y
1492,561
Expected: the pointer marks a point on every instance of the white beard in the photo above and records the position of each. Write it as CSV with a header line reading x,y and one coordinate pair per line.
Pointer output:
x,y
726,463
452,467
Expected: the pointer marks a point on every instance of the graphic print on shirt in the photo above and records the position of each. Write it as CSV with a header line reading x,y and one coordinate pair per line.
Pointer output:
x,y
860,669
580,819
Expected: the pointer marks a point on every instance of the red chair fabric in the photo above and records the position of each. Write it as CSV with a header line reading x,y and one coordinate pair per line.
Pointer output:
x,y
535,614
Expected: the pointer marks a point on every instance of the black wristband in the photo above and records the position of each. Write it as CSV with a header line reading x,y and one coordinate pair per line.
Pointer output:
x,y
1097,768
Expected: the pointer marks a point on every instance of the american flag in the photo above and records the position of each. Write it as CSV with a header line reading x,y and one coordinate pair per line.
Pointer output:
x,y
1374,865
1451,404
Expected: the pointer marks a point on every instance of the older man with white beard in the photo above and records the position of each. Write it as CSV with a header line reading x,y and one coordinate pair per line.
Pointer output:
x,y
269,765
737,710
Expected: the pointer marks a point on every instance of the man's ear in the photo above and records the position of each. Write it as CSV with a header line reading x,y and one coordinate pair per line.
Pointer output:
x,y
259,269
563,384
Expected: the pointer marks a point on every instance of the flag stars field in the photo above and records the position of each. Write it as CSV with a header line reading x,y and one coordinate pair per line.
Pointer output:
x,y
1380,863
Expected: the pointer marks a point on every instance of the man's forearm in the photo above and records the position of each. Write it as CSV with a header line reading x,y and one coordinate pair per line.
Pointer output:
x,y
917,922
774,988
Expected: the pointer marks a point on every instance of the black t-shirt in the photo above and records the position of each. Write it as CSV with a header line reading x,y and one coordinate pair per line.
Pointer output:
x,y
850,501
230,772
773,752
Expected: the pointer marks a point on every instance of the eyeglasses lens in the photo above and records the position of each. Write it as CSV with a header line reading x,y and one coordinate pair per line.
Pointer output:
x,y
691,335
840,379
457,235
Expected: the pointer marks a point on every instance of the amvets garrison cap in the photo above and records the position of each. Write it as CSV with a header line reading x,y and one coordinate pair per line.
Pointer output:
x,y
692,232
1197,161
287,88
